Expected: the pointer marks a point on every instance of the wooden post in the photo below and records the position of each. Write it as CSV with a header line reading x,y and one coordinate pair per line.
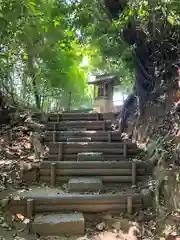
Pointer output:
x,y
48,118
21,172
30,213
54,129
129,205
69,102
10,135
30,208
109,136
53,174
133,173
125,150
94,93
104,125
60,154
54,136
58,117
108,90
104,89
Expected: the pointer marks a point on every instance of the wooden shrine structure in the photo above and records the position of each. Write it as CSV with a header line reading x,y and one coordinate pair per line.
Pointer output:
x,y
103,92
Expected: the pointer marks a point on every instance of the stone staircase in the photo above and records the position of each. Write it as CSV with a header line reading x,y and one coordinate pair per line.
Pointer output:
x,y
96,167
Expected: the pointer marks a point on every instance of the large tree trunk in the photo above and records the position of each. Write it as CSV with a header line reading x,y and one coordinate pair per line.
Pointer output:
x,y
31,71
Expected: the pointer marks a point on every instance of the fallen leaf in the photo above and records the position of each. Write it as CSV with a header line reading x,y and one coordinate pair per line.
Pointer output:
x,y
101,226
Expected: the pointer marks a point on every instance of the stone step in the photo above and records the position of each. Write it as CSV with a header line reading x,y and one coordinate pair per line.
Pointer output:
x,y
90,156
113,148
85,184
73,157
72,125
74,129
81,116
96,136
107,171
142,167
84,139
59,224
53,200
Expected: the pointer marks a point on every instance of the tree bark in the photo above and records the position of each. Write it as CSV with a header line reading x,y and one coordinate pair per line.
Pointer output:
x,y
31,71
151,4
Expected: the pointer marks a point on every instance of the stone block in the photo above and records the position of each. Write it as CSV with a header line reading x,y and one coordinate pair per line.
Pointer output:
x,y
59,224
85,184
90,156
80,139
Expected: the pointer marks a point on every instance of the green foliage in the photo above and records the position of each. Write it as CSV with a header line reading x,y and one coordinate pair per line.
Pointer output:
x,y
40,53
115,56
159,19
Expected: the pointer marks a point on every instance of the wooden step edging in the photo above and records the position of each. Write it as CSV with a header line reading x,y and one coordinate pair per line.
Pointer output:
x,y
95,165
78,116
89,125
86,203
54,174
106,147
96,136
73,157
105,179
107,171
